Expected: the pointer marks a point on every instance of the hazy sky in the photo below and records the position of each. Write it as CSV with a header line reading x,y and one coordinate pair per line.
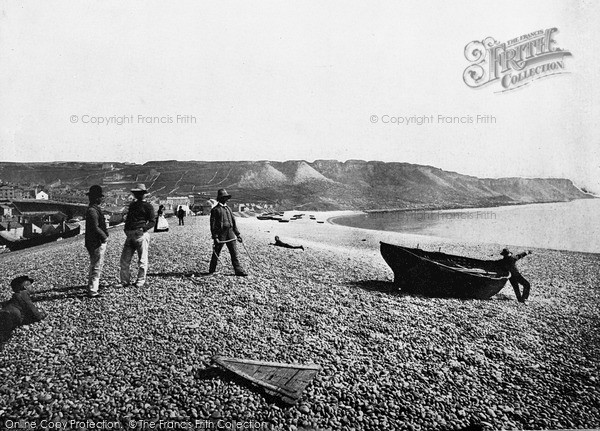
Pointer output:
x,y
294,80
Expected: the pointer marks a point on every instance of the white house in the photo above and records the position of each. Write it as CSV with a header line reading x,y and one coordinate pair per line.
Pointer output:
x,y
5,210
41,195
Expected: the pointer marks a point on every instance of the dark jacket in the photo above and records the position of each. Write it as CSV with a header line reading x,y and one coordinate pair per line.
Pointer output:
x,y
510,263
140,215
19,310
96,232
222,223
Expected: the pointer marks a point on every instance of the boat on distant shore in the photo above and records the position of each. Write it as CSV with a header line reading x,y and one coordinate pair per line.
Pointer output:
x,y
14,244
270,216
438,274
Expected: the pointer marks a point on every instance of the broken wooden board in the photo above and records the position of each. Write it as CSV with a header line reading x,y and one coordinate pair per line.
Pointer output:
x,y
284,381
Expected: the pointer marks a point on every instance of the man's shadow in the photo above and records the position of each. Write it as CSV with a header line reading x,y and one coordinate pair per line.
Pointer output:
x,y
59,293
174,274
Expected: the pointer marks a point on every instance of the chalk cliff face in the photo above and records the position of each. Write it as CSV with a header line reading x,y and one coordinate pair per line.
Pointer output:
x,y
323,184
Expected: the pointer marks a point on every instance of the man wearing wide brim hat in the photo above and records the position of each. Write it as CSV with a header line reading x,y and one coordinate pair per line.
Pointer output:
x,y
510,263
140,219
96,237
224,231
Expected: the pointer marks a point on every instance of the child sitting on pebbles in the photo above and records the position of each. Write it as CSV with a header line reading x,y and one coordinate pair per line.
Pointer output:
x,y
19,310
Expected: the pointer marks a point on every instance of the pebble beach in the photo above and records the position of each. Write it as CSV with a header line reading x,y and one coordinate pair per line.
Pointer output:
x,y
389,360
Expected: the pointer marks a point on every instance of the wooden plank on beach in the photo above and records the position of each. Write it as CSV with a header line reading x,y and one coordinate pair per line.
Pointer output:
x,y
286,381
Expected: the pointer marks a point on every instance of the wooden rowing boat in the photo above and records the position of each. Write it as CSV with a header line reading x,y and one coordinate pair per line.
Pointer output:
x,y
20,244
285,381
444,275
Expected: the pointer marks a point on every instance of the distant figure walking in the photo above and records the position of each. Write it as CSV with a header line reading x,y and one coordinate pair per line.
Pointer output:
x,y
96,236
140,219
19,310
510,263
224,231
280,243
181,215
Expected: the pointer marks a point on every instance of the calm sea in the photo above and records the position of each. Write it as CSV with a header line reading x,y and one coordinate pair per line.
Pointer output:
x,y
564,226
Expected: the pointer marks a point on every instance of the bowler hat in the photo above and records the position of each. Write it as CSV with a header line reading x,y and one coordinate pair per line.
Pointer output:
x,y
17,282
222,193
95,191
505,252
140,188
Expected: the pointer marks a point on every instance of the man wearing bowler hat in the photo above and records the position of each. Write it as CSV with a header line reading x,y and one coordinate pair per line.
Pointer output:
x,y
96,236
224,231
19,310
140,219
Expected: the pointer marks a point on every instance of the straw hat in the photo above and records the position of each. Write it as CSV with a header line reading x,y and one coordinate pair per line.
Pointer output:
x,y
140,188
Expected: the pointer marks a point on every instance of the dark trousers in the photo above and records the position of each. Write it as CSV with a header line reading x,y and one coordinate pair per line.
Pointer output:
x,y
237,266
8,322
517,279
181,221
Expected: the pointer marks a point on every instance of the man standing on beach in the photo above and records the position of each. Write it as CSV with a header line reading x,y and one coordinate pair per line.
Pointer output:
x,y
140,219
224,231
510,263
181,215
96,236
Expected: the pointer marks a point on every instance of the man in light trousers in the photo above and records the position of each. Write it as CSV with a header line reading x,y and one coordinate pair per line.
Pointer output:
x,y
96,236
140,219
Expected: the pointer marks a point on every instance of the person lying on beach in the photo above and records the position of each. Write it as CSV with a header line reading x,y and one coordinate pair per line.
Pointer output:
x,y
280,243
510,263
19,310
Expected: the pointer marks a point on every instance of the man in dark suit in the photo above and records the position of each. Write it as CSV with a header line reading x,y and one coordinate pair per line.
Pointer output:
x,y
224,231
19,310
96,235
510,263
181,215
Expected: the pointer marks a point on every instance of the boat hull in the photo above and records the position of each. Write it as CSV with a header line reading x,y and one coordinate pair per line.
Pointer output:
x,y
41,239
438,274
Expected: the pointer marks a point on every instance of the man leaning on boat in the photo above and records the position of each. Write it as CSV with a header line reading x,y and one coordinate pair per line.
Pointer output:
x,y
510,263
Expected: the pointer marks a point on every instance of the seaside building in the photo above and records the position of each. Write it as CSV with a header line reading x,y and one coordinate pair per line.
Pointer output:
x,y
31,210
8,192
173,202
69,198
41,195
6,211
12,228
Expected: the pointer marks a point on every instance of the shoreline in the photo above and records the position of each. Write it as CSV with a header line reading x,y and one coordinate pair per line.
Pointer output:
x,y
458,207
353,214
